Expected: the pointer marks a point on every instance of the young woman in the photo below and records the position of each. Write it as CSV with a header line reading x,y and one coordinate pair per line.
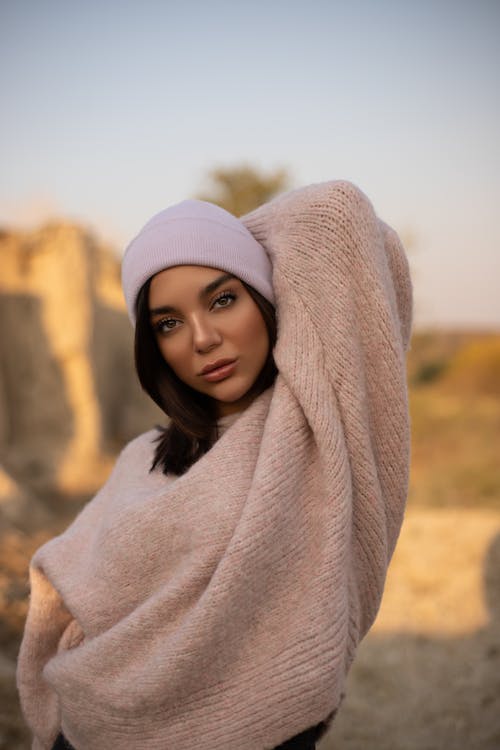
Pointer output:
x,y
214,591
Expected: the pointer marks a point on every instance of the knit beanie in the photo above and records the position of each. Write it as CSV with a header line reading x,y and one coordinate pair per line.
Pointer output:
x,y
194,233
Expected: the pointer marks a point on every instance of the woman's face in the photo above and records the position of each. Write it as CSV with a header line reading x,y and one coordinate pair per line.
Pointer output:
x,y
204,317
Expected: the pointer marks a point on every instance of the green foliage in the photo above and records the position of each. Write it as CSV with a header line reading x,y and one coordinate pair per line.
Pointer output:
x,y
428,372
243,188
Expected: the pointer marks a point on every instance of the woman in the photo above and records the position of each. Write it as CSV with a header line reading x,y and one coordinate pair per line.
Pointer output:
x,y
213,593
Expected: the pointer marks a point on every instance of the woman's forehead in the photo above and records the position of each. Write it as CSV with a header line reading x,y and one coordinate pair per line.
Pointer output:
x,y
178,281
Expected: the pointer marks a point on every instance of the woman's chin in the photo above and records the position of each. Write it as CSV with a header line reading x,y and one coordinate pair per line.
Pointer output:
x,y
232,399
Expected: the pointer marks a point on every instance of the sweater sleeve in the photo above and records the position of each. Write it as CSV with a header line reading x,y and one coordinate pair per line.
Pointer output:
x,y
343,289
51,627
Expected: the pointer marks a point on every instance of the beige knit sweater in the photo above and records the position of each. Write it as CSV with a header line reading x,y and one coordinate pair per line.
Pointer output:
x,y
222,610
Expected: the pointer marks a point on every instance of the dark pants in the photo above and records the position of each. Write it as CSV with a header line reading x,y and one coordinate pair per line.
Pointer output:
x,y
303,741
62,743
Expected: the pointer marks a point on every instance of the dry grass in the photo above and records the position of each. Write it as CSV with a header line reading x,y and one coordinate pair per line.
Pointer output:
x,y
455,449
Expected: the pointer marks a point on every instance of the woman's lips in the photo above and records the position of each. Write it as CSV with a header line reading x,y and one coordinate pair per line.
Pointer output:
x,y
220,372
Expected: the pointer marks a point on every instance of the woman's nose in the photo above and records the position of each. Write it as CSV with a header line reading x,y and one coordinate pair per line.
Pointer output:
x,y
205,334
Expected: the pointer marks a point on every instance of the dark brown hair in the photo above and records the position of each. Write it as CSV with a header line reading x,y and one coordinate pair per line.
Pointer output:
x,y
193,417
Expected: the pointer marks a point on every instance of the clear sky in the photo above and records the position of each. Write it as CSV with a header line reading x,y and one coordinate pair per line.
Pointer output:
x,y
113,110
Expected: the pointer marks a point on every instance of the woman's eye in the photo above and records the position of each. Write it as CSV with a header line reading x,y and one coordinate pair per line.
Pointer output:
x,y
224,299
165,325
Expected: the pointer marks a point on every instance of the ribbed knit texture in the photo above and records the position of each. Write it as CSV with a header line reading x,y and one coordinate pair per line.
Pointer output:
x,y
222,610
194,233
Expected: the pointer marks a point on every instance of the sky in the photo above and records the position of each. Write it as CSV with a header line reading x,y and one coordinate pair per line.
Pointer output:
x,y
112,111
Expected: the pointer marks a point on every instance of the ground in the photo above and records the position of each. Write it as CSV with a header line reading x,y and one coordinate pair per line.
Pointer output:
x,y
427,677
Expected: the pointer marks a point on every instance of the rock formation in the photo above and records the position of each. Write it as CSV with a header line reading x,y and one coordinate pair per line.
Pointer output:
x,y
68,392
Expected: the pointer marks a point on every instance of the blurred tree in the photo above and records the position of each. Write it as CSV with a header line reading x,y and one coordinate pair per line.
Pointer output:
x,y
241,189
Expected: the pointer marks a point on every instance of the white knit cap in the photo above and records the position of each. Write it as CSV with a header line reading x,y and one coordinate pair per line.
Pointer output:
x,y
194,233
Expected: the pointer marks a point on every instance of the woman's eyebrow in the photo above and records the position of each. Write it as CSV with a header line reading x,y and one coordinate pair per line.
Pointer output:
x,y
214,284
164,309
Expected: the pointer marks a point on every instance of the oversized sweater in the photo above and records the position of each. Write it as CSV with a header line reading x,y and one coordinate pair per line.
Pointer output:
x,y
223,609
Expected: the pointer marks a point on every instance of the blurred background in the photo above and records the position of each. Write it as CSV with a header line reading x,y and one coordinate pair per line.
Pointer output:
x,y
112,111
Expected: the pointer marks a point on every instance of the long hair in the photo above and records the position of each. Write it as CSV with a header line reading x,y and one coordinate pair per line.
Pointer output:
x,y
192,429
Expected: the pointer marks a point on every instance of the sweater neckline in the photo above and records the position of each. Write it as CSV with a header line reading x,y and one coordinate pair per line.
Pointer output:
x,y
224,423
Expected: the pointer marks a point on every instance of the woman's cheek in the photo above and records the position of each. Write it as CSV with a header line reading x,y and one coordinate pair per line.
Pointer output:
x,y
168,352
